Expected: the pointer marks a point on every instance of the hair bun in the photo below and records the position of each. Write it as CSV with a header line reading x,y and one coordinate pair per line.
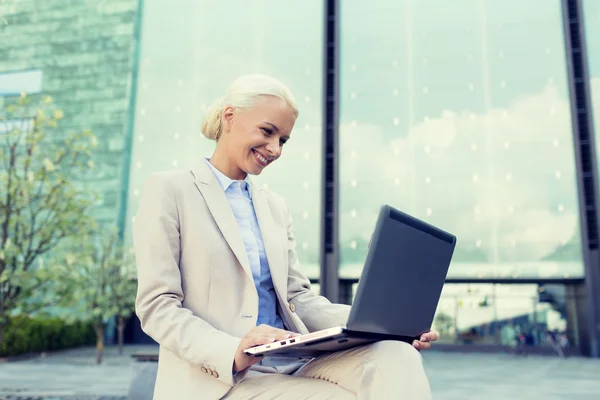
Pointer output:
x,y
211,123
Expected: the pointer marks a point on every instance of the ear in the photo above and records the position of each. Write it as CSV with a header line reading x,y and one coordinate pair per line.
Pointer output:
x,y
228,115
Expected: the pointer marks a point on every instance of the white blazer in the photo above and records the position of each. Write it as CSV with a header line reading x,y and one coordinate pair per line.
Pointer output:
x,y
196,295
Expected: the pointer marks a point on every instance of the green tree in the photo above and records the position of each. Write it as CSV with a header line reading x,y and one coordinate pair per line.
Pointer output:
x,y
105,284
42,203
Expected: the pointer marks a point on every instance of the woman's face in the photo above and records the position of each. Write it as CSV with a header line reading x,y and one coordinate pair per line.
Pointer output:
x,y
254,138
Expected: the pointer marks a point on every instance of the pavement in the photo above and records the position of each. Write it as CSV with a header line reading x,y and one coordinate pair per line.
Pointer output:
x,y
73,375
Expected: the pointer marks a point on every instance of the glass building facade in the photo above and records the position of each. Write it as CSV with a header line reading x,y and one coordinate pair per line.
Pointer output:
x,y
187,60
461,117
592,33
455,112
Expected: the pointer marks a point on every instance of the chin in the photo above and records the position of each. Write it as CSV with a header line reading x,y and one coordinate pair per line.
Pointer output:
x,y
254,171
254,168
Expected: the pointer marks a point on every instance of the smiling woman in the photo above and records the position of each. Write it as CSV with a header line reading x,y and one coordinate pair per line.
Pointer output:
x,y
218,273
250,124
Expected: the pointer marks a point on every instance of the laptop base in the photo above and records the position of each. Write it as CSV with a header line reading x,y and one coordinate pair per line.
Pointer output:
x,y
343,340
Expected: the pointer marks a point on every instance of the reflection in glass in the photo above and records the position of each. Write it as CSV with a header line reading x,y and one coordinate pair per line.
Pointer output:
x,y
517,317
189,56
591,13
521,318
460,116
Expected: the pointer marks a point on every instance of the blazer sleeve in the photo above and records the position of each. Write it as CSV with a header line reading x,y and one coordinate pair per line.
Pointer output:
x,y
316,312
156,238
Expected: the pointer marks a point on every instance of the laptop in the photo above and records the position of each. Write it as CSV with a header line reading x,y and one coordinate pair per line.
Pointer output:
x,y
398,291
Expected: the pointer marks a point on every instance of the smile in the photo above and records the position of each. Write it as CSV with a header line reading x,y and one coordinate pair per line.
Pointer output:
x,y
261,160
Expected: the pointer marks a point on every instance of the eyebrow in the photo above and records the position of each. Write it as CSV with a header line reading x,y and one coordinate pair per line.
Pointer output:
x,y
272,125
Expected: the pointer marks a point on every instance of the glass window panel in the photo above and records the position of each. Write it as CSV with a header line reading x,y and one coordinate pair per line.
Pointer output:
x,y
460,116
14,83
190,52
508,315
591,12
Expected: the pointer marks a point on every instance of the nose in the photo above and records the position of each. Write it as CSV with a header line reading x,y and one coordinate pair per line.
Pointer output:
x,y
273,147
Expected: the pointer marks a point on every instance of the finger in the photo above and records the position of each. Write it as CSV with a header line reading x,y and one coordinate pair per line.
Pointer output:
x,y
424,345
267,338
425,338
283,336
280,333
421,345
257,340
262,328
429,337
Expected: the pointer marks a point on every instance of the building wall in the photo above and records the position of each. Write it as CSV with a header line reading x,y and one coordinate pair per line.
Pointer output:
x,y
84,50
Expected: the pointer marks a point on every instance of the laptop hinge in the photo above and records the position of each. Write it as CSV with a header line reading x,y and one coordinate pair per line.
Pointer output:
x,y
381,336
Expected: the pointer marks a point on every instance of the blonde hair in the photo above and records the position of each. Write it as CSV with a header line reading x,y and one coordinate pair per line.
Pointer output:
x,y
244,93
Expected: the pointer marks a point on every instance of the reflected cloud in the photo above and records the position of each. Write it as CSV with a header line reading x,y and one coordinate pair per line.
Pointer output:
x,y
502,181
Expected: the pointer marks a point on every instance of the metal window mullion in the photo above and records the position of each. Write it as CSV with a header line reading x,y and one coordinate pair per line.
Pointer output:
x,y
329,257
586,166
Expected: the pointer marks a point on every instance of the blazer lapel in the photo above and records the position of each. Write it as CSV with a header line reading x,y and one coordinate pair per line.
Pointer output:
x,y
219,207
273,247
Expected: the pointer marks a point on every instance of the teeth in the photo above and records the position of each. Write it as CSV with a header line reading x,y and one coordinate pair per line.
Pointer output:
x,y
261,158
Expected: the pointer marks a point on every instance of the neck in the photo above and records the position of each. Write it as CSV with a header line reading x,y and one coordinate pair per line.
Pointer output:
x,y
222,162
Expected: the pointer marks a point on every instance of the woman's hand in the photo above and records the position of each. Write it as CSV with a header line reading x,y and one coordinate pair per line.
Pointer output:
x,y
425,341
257,336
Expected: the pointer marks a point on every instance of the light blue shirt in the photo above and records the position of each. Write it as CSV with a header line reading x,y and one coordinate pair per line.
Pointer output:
x,y
240,200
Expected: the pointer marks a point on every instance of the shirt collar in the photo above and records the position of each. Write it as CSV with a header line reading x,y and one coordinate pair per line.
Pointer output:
x,y
226,181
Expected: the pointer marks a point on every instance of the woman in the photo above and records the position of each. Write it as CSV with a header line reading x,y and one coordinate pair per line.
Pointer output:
x,y
218,273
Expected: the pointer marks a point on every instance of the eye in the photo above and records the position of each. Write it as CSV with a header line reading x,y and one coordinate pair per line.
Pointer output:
x,y
282,142
267,131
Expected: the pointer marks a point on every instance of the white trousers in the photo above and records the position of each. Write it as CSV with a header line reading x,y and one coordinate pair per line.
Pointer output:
x,y
379,371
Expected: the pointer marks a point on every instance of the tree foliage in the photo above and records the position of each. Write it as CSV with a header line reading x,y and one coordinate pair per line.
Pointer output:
x,y
103,278
43,202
